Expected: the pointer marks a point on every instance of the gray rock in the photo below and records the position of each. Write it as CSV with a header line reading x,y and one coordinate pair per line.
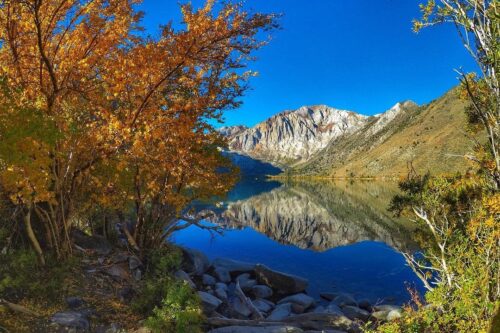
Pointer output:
x,y
328,296
222,274
386,307
209,302
326,331
257,329
208,280
263,305
319,309
353,313
118,272
220,285
239,309
281,282
380,315
334,308
301,299
72,319
137,274
262,291
281,312
183,276
322,321
393,315
74,302
195,261
233,267
220,293
365,304
134,263
246,283
344,299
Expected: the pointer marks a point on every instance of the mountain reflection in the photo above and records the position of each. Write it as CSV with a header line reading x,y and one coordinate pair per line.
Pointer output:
x,y
320,215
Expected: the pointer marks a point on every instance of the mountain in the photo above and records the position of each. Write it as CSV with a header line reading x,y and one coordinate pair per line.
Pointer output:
x,y
428,138
292,137
320,140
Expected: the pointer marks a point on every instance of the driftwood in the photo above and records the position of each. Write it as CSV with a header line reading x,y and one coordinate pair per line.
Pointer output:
x,y
241,295
18,308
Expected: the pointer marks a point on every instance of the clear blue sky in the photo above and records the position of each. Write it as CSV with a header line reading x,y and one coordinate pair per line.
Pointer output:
x,y
359,55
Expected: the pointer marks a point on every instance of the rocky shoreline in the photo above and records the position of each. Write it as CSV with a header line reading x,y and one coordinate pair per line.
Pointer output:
x,y
245,297
236,297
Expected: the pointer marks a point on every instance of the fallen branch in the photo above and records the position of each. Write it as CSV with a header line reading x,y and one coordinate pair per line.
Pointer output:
x,y
239,292
18,308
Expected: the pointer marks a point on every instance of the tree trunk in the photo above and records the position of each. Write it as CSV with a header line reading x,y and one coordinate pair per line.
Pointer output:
x,y
32,237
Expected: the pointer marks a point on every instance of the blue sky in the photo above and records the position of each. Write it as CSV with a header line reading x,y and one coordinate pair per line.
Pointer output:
x,y
359,55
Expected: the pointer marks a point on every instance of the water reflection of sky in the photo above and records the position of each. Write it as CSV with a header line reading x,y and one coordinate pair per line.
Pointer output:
x,y
367,269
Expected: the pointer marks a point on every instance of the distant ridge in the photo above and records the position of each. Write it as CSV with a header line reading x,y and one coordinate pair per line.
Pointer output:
x,y
324,141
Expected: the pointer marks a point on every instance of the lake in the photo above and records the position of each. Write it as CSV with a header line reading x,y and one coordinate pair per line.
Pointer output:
x,y
339,235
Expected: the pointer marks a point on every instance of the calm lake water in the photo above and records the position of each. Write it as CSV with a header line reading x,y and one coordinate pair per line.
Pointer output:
x,y
338,235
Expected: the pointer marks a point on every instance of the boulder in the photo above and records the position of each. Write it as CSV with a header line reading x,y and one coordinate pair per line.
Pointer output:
x,y
354,313
220,285
281,312
344,300
118,272
365,304
263,305
322,321
257,329
386,307
246,283
283,283
393,315
195,261
380,315
208,280
301,299
73,319
74,302
262,291
222,274
220,293
233,267
209,302
328,296
238,309
334,308
134,263
183,276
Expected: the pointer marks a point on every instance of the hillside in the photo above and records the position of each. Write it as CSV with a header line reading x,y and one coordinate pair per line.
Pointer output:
x,y
429,137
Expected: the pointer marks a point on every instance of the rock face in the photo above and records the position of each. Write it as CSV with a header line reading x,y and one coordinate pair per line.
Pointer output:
x,y
293,136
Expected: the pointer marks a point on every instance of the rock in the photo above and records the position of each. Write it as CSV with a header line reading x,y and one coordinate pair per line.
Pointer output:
x,y
386,307
326,331
365,304
195,261
220,293
72,319
257,329
208,280
183,276
119,257
262,291
344,299
281,312
334,308
328,296
353,313
222,274
118,272
263,305
301,299
281,282
322,321
220,285
74,302
98,244
380,315
137,274
233,267
209,302
239,309
393,315
319,309
245,282
134,263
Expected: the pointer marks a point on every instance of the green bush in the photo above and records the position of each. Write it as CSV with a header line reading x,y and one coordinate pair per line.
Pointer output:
x,y
179,311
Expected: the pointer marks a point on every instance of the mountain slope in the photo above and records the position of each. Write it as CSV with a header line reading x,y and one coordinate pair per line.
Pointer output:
x,y
429,137
292,137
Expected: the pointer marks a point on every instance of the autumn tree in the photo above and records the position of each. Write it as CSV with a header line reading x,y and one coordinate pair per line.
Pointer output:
x,y
118,101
